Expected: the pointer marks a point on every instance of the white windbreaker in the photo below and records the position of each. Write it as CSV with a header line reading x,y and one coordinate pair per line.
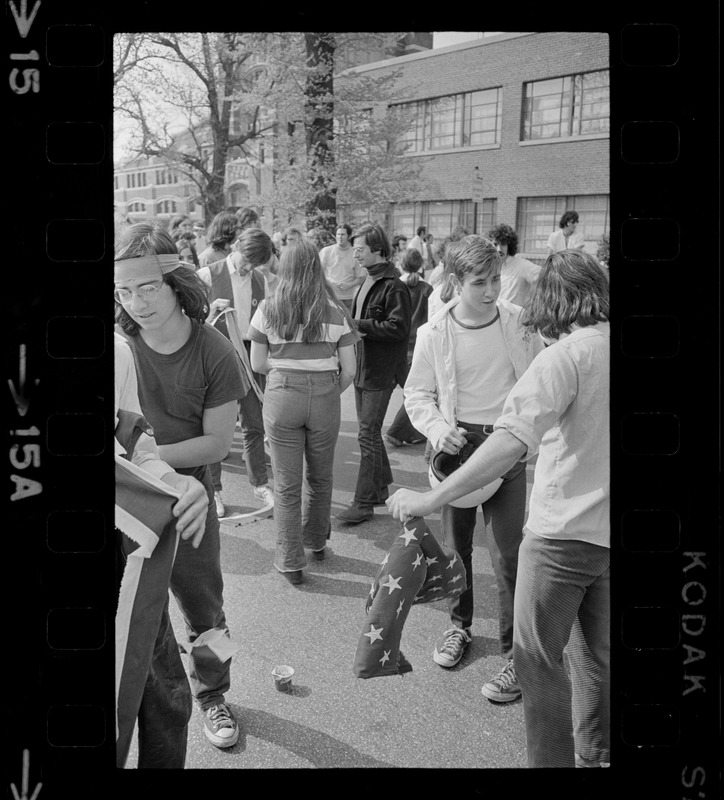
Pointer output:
x,y
431,385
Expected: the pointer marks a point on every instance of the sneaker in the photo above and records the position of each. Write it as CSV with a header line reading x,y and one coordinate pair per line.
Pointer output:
x,y
449,650
585,762
220,726
220,508
392,441
504,687
265,494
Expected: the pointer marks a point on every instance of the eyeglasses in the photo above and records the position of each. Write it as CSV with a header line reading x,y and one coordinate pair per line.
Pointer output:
x,y
147,293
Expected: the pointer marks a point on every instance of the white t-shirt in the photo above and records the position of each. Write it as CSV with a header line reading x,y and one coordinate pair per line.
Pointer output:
x,y
557,241
517,280
341,268
484,371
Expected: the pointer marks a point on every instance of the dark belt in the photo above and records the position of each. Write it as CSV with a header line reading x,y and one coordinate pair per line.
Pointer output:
x,y
487,430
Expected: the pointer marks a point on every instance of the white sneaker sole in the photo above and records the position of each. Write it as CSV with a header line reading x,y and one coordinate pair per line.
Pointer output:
x,y
444,661
497,697
219,741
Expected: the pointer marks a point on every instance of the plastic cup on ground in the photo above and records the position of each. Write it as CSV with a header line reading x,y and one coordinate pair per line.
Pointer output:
x,y
283,677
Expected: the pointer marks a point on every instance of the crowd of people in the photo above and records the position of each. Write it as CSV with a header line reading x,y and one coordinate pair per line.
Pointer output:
x,y
491,350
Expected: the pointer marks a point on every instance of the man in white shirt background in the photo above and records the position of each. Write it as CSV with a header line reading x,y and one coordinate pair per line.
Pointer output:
x,y
340,266
418,242
518,276
566,237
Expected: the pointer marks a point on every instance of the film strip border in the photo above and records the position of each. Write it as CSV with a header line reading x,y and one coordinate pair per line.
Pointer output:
x,y
664,463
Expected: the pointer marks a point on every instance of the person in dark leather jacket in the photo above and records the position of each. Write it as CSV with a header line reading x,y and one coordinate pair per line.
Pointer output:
x,y
382,313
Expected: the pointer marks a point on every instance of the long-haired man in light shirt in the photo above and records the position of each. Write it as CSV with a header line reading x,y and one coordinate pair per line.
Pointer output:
x,y
559,410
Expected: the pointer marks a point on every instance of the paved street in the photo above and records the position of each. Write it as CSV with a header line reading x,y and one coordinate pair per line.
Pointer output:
x,y
331,718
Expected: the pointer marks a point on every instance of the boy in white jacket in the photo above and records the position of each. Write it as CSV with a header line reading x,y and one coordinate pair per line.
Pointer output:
x,y
467,358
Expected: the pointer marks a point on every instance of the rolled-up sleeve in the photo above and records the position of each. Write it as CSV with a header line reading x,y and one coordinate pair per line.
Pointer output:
x,y
539,399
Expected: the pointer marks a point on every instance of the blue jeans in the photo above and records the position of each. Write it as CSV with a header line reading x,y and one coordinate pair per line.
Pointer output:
x,y
504,515
375,474
302,417
198,586
252,439
562,601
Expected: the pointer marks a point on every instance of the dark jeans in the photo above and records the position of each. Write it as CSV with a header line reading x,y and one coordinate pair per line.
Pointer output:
x,y
165,706
401,427
252,439
302,416
198,586
563,602
504,515
375,474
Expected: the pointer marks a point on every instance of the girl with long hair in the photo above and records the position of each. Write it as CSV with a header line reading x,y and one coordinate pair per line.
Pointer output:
x,y
302,338
189,380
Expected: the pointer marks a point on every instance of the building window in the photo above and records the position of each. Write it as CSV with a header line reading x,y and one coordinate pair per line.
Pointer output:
x,y
538,217
166,207
574,105
115,181
442,217
461,120
137,208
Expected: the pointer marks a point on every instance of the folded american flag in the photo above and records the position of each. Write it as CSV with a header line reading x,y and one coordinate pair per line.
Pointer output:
x,y
148,541
417,569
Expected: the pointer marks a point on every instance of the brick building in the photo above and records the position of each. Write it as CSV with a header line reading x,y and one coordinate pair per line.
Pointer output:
x,y
530,111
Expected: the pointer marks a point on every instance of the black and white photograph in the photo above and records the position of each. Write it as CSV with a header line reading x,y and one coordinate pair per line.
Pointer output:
x,y
390,338
384,240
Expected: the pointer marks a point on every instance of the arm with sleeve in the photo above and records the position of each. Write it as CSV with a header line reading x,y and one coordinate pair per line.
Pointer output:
x,y
145,454
421,390
395,322
539,399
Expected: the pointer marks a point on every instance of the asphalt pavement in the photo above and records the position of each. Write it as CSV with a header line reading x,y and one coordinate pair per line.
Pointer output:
x,y
429,718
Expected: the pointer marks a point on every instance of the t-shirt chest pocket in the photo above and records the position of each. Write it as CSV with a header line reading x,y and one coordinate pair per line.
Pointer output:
x,y
188,402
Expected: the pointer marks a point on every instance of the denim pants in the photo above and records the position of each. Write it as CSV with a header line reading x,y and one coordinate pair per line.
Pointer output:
x,y
252,439
198,586
504,515
375,474
165,709
302,418
401,427
562,601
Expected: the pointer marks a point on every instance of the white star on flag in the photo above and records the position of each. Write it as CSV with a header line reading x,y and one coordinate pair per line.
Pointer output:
x,y
436,578
408,536
374,633
453,561
372,589
392,583
431,561
416,563
385,656
399,608
434,589
455,579
386,559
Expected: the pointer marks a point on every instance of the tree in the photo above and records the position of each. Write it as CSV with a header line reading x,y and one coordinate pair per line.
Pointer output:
x,y
329,140
341,139
179,90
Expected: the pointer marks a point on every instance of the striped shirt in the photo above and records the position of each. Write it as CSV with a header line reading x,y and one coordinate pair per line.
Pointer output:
x,y
294,354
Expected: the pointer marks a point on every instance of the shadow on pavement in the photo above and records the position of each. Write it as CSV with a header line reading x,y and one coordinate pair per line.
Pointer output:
x,y
319,749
